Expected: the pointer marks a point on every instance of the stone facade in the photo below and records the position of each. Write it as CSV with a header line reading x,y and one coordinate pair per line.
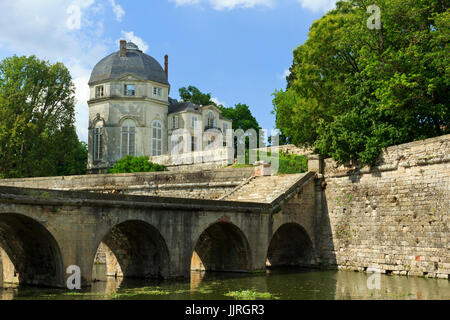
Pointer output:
x,y
120,112
131,113
203,123
393,217
197,161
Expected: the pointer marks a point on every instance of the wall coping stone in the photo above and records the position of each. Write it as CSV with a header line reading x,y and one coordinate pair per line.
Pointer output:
x,y
418,153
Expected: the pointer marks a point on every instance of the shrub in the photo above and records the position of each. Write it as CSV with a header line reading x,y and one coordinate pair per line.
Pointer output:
x,y
292,163
132,164
288,163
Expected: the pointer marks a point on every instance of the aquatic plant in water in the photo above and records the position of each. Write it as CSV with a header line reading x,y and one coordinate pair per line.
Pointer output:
x,y
250,295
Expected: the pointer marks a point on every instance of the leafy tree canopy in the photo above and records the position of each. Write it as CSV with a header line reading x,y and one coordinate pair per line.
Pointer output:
x,y
194,95
242,117
37,133
131,164
353,91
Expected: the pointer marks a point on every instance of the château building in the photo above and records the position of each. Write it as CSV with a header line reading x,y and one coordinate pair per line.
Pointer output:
x,y
131,113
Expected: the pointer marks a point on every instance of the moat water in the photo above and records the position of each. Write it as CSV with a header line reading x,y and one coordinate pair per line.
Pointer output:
x,y
287,284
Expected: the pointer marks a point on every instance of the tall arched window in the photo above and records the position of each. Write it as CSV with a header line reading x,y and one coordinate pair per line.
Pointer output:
x,y
128,139
156,138
98,141
211,120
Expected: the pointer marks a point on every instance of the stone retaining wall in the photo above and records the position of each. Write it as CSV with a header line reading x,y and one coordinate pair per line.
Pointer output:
x,y
289,148
208,184
393,217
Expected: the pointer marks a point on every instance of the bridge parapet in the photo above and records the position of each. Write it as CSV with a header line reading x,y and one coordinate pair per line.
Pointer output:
x,y
208,184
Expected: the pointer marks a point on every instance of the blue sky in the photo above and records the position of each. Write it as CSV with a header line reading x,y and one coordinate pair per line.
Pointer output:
x,y
238,50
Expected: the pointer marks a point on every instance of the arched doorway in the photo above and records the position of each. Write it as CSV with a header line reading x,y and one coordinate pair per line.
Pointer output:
x,y
221,247
29,253
290,246
133,249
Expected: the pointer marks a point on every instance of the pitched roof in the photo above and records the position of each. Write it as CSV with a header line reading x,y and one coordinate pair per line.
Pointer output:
x,y
176,106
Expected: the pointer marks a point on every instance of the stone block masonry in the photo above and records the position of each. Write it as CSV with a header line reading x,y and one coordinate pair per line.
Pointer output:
x,y
206,184
393,217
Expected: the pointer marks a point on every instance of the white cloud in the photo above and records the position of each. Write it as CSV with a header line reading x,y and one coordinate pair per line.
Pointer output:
x,y
226,4
218,102
286,73
318,5
82,110
130,36
184,2
41,28
313,5
118,10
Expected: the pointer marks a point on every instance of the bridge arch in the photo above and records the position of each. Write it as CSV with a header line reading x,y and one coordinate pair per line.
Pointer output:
x,y
29,252
290,246
134,249
222,247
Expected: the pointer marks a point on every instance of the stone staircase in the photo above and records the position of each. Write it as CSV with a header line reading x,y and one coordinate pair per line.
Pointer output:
x,y
264,189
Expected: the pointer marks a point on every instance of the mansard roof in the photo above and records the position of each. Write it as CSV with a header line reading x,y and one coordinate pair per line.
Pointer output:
x,y
137,63
175,106
181,106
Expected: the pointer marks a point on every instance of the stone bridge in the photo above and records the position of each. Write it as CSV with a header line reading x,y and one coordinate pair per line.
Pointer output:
x,y
43,232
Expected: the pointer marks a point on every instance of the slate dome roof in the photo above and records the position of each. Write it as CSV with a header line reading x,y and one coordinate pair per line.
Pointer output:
x,y
136,62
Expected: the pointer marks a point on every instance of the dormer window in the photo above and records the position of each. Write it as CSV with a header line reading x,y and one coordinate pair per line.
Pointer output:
x,y
175,122
211,123
194,122
99,91
130,90
157,91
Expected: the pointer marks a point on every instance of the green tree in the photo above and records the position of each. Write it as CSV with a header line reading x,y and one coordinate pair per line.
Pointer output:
x,y
194,95
242,117
353,90
131,164
37,133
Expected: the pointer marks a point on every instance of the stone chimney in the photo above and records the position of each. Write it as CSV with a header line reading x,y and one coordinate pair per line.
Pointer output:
x,y
166,66
123,48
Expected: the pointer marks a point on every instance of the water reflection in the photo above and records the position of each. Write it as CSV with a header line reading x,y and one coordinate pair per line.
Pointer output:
x,y
352,285
285,284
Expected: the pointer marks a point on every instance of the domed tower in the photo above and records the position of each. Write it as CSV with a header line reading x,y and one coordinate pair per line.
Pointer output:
x,y
128,106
